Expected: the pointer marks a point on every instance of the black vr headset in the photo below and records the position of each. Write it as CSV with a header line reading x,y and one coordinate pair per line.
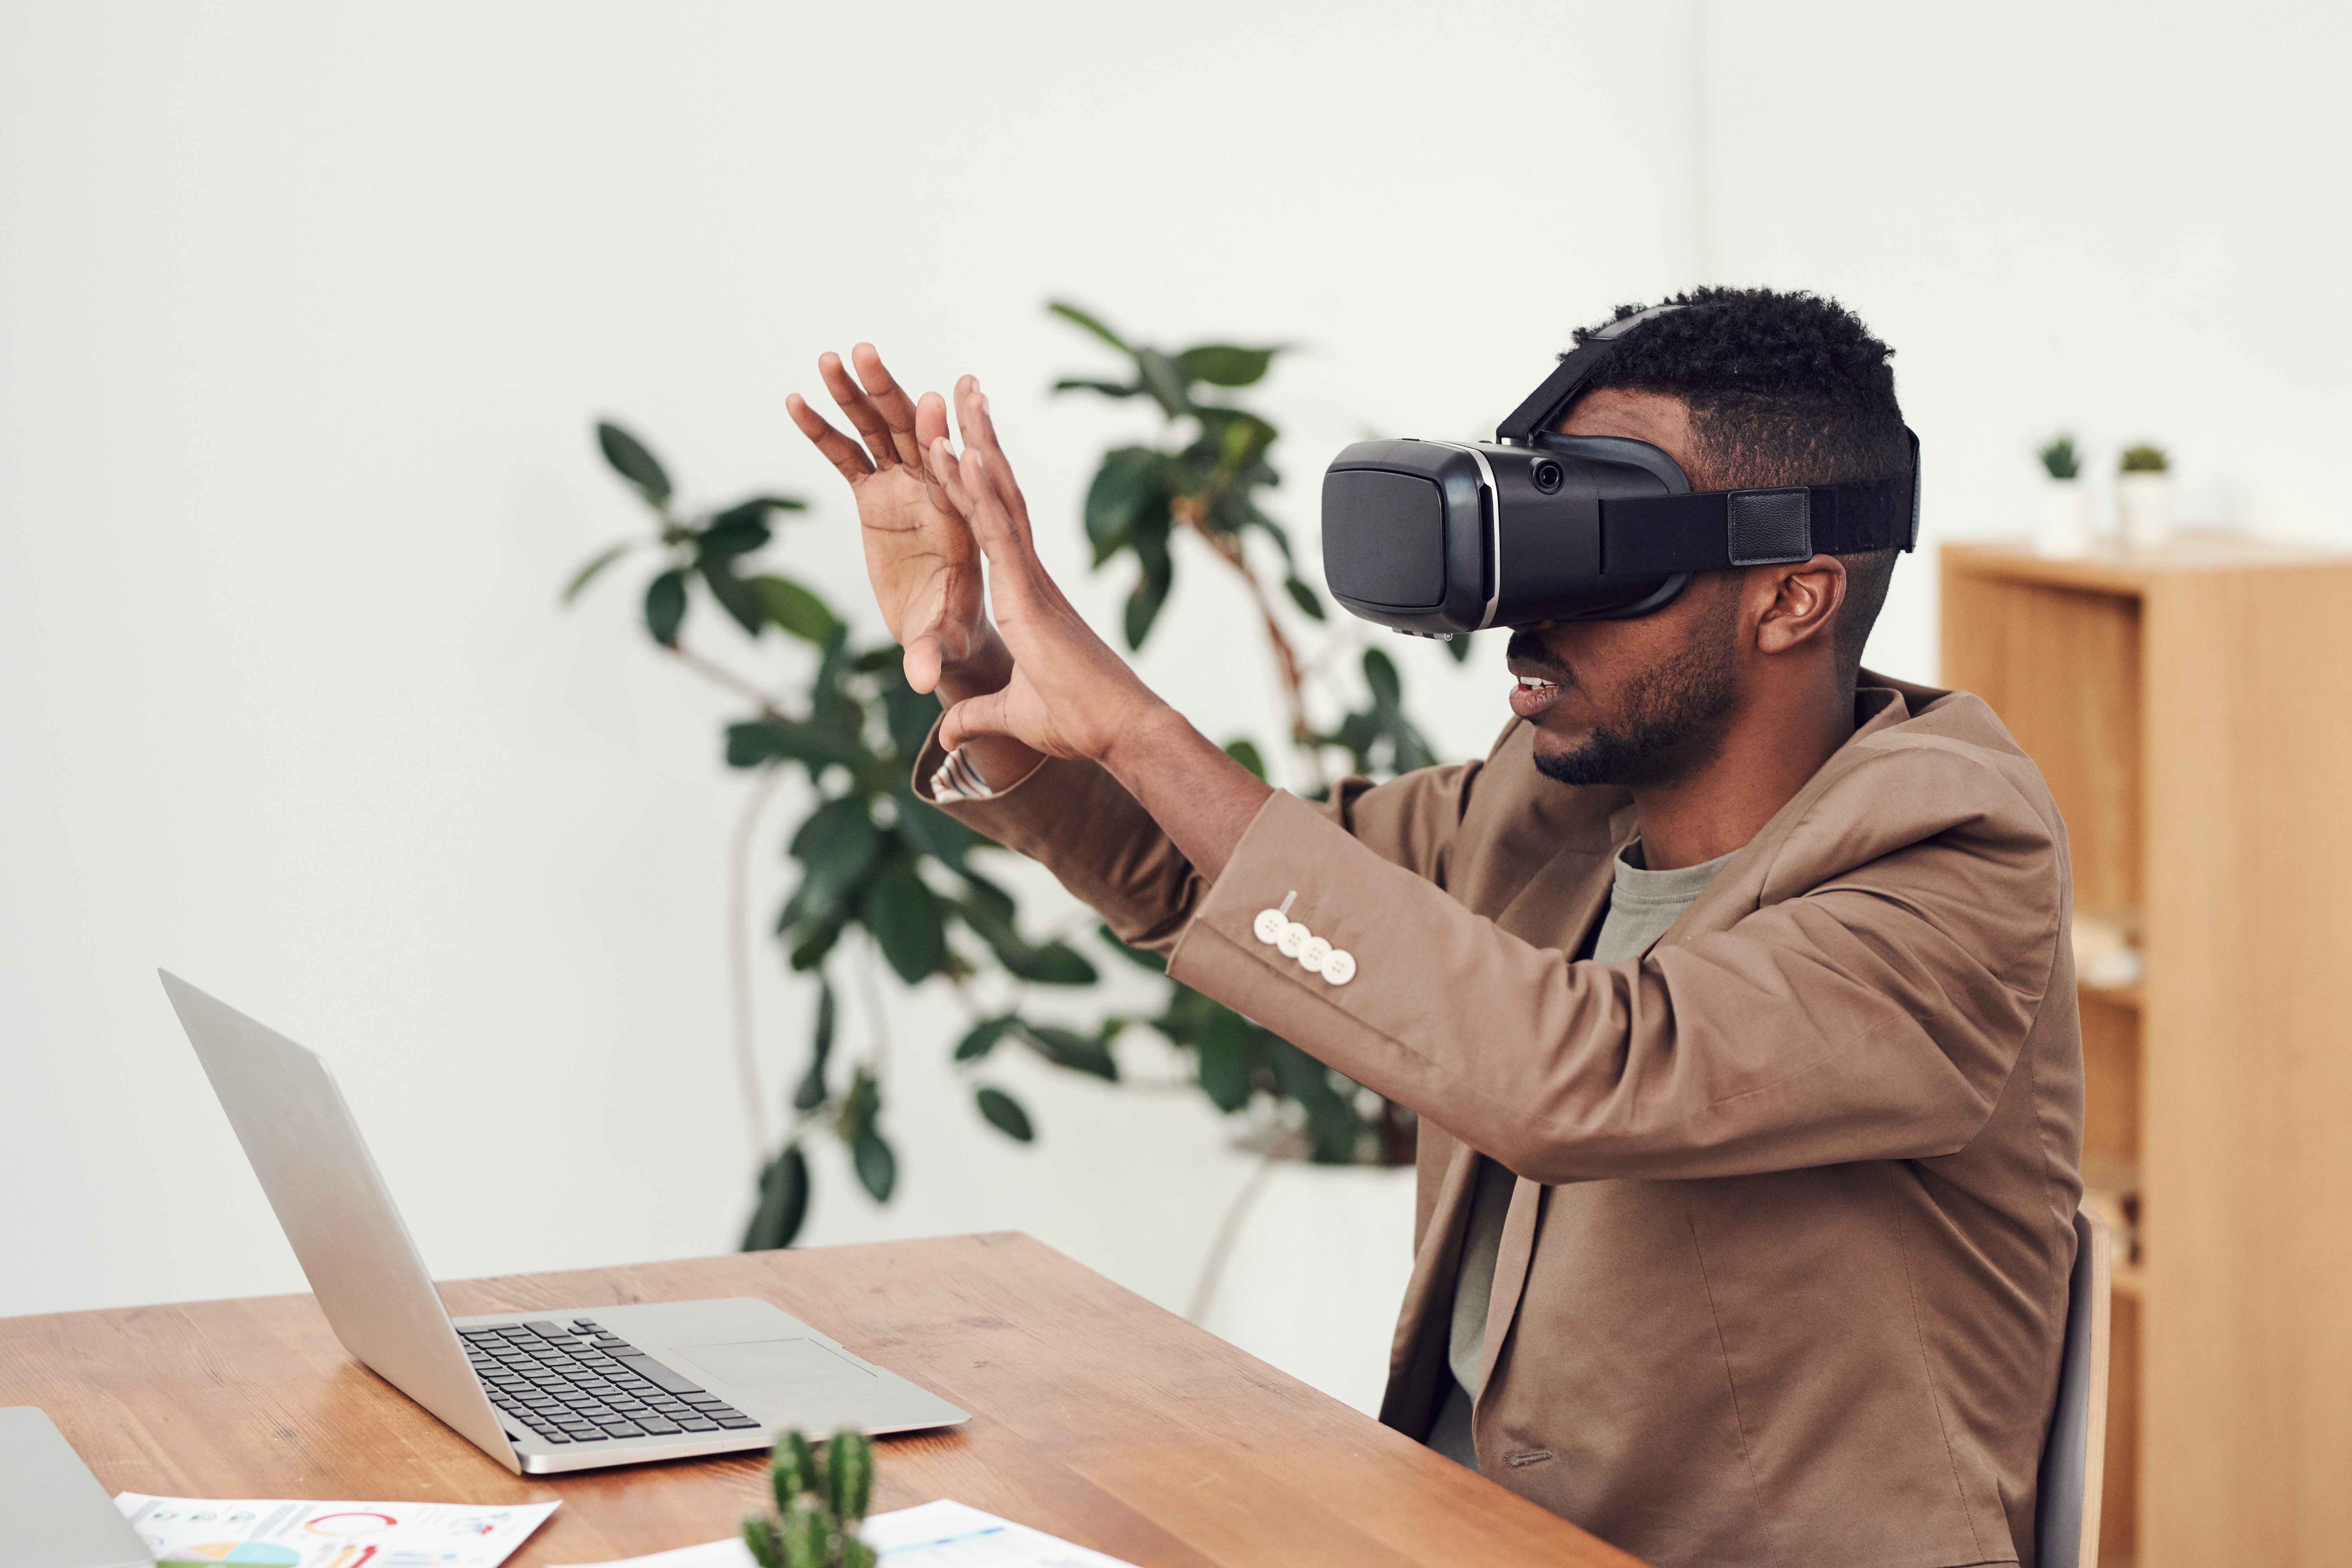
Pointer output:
x,y
1436,537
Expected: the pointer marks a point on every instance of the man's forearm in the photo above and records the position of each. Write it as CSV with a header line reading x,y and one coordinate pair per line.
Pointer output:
x,y
1203,799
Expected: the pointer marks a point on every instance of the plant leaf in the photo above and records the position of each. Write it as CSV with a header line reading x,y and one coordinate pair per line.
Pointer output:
x,y
1108,388
757,741
587,575
1245,752
756,510
1069,1048
633,462
1166,381
1229,1047
982,1037
903,913
1380,675
1221,365
878,1167
1459,648
1146,598
730,534
1304,597
1004,1114
784,1202
814,947
838,845
794,609
1127,485
665,606
811,1091
1071,314
734,596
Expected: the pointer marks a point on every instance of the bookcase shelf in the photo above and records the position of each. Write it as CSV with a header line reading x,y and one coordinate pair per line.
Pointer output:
x,y
2188,707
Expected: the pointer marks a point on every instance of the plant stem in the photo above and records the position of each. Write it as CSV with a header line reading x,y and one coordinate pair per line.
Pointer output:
x,y
1286,658
739,960
727,678
1229,1229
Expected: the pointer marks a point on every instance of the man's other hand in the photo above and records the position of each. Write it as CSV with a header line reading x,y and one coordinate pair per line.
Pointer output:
x,y
920,554
1069,695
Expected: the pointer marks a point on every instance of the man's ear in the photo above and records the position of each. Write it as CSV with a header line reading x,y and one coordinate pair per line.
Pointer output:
x,y
1803,599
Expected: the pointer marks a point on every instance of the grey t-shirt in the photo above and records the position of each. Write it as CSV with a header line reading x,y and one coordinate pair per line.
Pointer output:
x,y
1641,905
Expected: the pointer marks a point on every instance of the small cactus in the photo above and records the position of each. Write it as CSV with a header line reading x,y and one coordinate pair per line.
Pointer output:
x,y
2059,458
820,1498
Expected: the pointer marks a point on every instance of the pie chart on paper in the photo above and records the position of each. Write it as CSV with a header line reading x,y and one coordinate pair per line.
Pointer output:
x,y
248,1553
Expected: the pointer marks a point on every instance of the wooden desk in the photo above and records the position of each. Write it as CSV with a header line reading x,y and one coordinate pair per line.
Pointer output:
x,y
1096,1416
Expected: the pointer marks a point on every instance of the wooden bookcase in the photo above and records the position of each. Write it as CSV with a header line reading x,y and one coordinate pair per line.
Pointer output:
x,y
2191,709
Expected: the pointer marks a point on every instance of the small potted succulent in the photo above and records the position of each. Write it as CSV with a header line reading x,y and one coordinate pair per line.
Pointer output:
x,y
821,1497
2144,497
2065,502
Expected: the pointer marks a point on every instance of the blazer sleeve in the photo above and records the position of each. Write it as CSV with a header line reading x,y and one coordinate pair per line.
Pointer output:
x,y
1870,1004
1079,822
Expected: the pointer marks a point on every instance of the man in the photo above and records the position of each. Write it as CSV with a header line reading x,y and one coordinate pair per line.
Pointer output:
x,y
1732,988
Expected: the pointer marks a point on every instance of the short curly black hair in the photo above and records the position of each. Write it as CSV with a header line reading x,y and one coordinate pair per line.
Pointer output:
x,y
1784,388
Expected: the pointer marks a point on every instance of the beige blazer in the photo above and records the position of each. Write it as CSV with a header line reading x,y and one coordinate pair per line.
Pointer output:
x,y
1785,1269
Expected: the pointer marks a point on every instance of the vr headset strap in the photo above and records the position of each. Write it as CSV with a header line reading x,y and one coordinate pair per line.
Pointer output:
x,y
1653,535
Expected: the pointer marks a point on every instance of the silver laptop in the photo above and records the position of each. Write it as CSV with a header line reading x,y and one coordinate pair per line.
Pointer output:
x,y
55,1512
565,1388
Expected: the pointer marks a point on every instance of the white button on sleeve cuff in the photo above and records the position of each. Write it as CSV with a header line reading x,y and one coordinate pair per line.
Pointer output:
x,y
1340,968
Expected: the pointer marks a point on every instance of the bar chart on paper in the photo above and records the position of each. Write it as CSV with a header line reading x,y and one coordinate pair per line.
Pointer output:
x,y
255,1532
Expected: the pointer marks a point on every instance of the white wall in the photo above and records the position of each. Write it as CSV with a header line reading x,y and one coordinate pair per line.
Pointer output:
x,y
304,315
2125,220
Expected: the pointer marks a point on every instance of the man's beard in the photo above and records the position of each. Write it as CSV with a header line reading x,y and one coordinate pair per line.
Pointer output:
x,y
1668,719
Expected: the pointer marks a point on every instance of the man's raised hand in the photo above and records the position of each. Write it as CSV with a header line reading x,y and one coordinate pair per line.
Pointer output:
x,y
1069,695
919,554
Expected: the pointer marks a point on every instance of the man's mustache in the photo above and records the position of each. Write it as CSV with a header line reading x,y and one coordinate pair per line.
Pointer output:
x,y
1525,648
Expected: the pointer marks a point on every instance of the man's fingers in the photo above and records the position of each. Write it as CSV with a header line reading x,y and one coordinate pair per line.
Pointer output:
x,y
924,659
839,450
975,716
930,425
890,400
972,489
860,408
980,437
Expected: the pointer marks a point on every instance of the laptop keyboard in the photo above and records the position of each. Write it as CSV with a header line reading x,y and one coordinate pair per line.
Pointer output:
x,y
581,1383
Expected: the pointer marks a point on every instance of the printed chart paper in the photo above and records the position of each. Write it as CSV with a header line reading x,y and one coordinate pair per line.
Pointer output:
x,y
935,1535
274,1532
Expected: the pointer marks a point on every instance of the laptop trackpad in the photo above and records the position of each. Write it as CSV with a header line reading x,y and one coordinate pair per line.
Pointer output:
x,y
769,1364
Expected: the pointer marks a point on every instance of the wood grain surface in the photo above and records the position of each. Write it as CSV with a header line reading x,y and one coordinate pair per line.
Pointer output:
x,y
1096,1416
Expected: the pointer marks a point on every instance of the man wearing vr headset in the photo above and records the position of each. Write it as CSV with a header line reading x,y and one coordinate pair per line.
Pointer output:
x,y
1730,988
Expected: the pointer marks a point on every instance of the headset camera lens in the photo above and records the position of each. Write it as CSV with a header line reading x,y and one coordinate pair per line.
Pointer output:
x,y
1547,477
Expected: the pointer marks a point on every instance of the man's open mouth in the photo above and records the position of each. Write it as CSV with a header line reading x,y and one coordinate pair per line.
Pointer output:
x,y
1532,694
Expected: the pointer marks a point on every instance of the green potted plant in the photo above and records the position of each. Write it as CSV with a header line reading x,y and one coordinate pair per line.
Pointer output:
x,y
2144,497
891,885
821,1498
2065,502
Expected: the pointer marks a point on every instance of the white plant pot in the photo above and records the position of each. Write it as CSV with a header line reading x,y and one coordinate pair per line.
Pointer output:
x,y
2066,519
1317,1272
2144,508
